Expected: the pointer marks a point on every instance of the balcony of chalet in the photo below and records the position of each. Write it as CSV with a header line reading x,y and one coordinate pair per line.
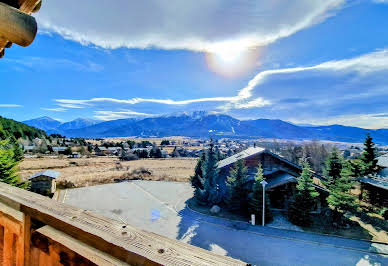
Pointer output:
x,y
37,230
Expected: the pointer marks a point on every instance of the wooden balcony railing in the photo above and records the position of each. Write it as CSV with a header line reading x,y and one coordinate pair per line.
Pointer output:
x,y
35,230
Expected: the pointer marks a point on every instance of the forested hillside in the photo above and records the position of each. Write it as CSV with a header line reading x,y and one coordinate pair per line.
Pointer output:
x,y
9,127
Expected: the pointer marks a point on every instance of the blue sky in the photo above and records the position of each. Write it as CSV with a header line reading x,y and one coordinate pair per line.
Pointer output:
x,y
315,62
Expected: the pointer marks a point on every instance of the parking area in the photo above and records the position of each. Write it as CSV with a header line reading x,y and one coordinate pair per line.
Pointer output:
x,y
160,207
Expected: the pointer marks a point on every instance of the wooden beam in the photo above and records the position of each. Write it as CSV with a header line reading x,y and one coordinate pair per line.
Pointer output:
x,y
89,253
29,6
124,242
16,26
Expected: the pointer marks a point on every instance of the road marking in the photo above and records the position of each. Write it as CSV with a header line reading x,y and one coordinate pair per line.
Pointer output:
x,y
154,197
64,197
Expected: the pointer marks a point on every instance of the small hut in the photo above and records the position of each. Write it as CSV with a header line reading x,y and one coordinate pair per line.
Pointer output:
x,y
44,183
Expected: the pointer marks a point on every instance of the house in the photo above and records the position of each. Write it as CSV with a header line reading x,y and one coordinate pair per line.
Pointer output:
x,y
281,175
59,150
75,155
44,183
30,148
377,186
115,150
101,151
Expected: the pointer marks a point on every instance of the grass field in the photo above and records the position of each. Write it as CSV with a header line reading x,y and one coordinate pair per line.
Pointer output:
x,y
101,170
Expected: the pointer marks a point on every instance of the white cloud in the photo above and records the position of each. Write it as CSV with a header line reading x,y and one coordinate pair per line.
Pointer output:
x,y
71,106
113,115
200,25
10,105
54,109
323,91
372,121
142,100
55,63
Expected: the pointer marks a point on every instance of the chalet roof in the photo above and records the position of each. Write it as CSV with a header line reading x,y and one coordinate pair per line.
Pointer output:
x,y
382,161
102,148
379,182
280,179
48,173
241,155
250,152
59,148
114,148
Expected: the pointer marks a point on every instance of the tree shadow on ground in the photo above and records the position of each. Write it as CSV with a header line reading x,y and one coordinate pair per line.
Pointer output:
x,y
232,239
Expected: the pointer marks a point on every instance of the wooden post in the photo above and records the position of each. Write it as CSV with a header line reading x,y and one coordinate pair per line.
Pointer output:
x,y
16,26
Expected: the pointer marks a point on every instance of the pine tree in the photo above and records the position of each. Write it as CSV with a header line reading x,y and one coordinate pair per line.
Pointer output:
x,y
369,156
17,150
255,198
340,198
210,174
8,166
333,166
236,192
305,198
197,180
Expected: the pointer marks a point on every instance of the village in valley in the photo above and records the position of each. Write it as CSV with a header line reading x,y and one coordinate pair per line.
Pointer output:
x,y
193,133
226,176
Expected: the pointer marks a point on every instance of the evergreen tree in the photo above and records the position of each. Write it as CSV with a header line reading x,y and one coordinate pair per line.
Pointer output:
x,y
236,192
333,166
305,198
211,193
8,166
340,198
197,180
369,156
255,198
175,153
68,151
17,150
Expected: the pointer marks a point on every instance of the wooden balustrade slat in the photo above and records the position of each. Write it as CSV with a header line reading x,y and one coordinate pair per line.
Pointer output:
x,y
7,247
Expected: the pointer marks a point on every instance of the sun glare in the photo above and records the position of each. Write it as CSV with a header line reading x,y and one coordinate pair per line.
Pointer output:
x,y
232,60
229,55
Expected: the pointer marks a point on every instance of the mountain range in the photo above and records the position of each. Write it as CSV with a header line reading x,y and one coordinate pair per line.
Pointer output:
x,y
203,124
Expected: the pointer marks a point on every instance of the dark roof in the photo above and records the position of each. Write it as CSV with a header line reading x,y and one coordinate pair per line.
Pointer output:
x,y
48,173
379,182
238,156
280,179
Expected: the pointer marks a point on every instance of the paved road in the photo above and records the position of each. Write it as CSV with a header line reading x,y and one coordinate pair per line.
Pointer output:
x,y
160,207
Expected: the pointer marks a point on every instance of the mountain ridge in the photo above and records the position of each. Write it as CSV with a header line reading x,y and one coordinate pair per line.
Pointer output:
x,y
204,124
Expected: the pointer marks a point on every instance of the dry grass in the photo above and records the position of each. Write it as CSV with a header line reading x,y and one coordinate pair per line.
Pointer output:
x,y
100,170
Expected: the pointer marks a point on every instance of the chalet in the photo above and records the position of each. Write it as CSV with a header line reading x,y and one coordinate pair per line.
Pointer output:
x,y
59,150
281,175
30,148
101,151
75,155
115,150
377,186
44,183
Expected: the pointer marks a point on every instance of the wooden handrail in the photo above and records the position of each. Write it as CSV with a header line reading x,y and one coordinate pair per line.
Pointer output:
x,y
112,238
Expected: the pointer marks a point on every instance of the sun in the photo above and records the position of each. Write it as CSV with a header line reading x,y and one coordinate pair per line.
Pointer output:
x,y
229,55
232,59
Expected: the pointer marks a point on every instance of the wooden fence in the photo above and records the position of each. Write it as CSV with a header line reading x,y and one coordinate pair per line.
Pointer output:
x,y
36,230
